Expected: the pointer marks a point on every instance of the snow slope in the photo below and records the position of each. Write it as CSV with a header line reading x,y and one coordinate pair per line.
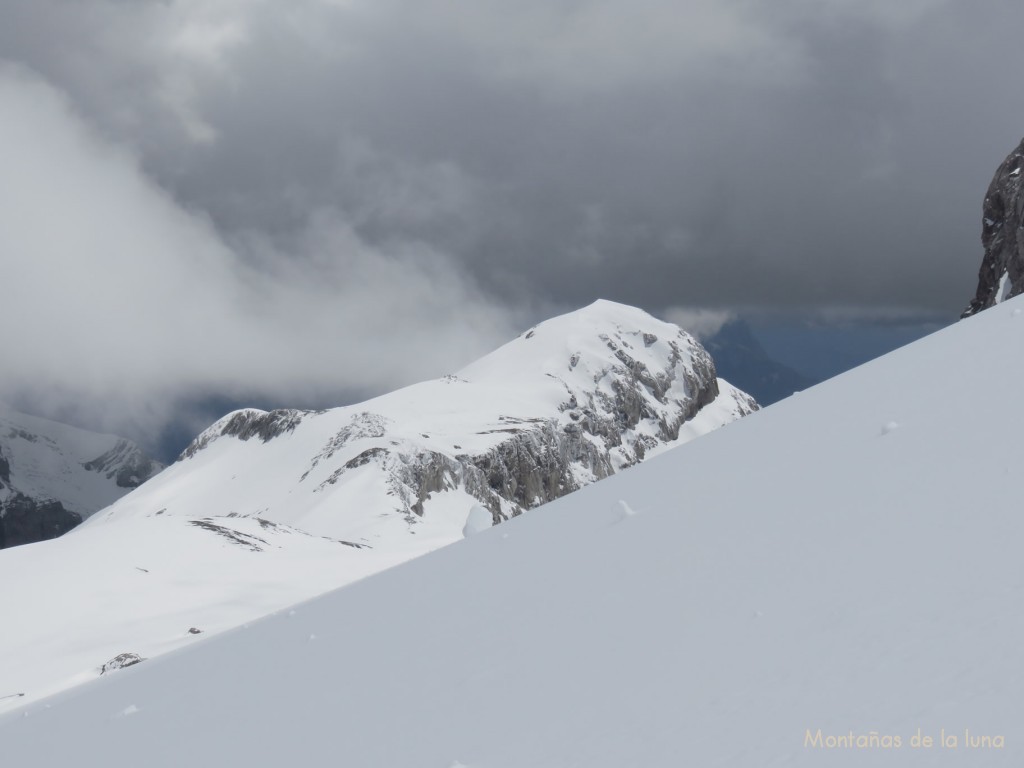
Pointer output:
x,y
570,401
141,587
846,560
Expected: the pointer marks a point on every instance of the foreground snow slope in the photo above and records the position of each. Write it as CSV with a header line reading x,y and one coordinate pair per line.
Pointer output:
x,y
846,560
148,586
236,528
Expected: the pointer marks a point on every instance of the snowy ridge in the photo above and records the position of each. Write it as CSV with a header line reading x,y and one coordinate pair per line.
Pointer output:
x,y
844,563
266,509
569,402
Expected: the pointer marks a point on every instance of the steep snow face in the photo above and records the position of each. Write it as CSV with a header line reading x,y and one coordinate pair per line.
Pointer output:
x,y
53,475
249,520
817,584
571,401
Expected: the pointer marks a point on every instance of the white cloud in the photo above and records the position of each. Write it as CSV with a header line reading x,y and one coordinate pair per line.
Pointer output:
x,y
118,297
699,322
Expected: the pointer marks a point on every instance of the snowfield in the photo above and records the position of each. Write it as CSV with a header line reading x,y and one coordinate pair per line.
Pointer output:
x,y
846,561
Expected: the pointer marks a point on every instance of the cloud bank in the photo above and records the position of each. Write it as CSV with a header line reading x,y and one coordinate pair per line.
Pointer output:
x,y
297,199
121,298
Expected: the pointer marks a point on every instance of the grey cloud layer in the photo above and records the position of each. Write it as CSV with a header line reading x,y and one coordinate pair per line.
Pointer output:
x,y
430,162
118,295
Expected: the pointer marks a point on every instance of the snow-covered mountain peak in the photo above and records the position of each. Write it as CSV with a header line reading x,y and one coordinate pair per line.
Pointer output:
x,y
53,475
607,367
582,345
570,401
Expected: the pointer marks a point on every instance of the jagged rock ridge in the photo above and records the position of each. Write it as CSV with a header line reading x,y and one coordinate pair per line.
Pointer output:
x,y
1002,269
569,402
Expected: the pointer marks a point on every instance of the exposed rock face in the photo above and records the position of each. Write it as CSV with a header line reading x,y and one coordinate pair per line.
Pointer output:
x,y
1002,269
52,476
569,402
24,520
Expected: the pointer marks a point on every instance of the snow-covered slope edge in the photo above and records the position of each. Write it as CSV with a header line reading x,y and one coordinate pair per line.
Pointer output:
x,y
53,475
847,561
268,509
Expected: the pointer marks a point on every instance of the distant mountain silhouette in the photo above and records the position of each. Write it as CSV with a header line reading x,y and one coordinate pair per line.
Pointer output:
x,y
742,361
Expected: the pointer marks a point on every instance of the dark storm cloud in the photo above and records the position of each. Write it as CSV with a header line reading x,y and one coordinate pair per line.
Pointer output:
x,y
513,157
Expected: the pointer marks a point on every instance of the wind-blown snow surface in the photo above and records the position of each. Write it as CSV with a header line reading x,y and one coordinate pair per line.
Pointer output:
x,y
266,510
845,560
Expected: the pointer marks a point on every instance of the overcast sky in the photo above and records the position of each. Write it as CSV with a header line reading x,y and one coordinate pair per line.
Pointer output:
x,y
316,198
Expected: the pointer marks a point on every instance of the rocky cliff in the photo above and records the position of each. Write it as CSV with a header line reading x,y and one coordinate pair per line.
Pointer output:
x,y
1002,234
24,520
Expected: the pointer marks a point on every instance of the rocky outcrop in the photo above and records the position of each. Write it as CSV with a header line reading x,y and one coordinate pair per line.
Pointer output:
x,y
535,466
121,661
24,520
1002,234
